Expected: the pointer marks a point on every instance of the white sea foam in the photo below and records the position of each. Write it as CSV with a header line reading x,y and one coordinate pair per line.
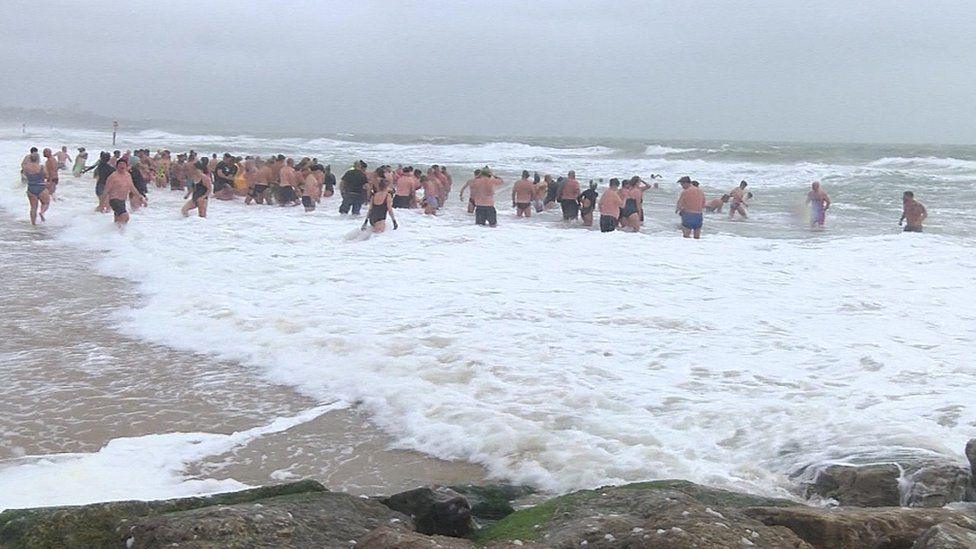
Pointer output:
x,y
567,358
146,467
661,150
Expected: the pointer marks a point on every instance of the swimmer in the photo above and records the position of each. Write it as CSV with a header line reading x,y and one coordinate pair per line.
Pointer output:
x,y
715,205
80,159
819,202
287,195
329,181
119,187
202,187
406,188
913,213
587,203
63,158
310,188
381,206
38,195
468,183
483,192
552,190
50,172
569,197
610,205
431,185
262,177
738,196
538,193
223,177
522,193
690,205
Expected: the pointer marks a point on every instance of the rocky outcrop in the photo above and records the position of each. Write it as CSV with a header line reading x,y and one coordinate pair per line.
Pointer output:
x,y
860,486
672,514
937,485
492,502
852,528
107,524
971,456
946,536
313,519
437,510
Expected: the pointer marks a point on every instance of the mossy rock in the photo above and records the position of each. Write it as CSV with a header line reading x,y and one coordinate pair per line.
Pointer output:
x,y
492,502
529,524
105,524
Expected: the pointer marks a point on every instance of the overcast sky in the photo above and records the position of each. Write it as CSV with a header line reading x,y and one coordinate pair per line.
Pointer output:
x,y
814,70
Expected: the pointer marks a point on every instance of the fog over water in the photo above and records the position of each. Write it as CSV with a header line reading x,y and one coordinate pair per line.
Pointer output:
x,y
870,71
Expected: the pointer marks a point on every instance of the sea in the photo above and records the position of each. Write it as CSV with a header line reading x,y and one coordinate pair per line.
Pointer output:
x,y
263,344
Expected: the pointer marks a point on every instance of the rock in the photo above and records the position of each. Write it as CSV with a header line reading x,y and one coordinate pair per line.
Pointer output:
x,y
865,486
946,536
493,501
937,485
853,528
385,537
971,456
437,510
666,514
314,519
106,524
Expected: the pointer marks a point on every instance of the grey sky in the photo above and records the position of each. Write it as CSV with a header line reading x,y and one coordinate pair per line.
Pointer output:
x,y
865,70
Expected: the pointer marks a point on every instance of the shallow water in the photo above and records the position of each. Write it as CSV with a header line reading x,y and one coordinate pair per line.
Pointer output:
x,y
548,354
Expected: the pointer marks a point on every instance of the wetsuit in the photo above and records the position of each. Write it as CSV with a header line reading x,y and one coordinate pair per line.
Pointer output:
x,y
102,171
137,180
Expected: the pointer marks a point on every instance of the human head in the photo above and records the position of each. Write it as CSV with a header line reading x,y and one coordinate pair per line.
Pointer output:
x,y
571,174
909,195
64,148
47,153
815,185
104,156
726,197
743,185
122,165
33,150
684,179
477,173
693,183
592,185
614,183
525,174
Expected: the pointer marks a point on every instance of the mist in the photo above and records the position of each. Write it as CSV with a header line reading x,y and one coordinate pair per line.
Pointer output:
x,y
870,71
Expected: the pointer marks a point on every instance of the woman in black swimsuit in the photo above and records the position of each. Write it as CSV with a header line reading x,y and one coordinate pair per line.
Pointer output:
x,y
381,205
202,188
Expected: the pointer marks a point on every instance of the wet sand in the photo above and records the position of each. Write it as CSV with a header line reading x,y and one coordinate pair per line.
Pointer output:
x,y
69,383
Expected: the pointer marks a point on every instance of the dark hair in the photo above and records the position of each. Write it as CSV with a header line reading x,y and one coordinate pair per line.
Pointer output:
x,y
614,182
202,163
104,156
695,183
909,194
33,150
525,174
417,172
536,177
477,172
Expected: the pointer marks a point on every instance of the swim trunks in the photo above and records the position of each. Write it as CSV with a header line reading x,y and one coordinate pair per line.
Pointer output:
x,y
483,214
118,206
608,223
433,202
401,201
258,190
308,202
287,194
523,205
570,208
691,220
817,214
912,229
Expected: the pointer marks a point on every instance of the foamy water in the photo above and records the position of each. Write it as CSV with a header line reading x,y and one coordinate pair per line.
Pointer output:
x,y
563,357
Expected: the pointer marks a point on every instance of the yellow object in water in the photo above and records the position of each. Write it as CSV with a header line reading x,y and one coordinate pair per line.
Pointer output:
x,y
239,182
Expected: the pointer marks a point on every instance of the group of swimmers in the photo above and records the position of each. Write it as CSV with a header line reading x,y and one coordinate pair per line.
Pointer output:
x,y
125,177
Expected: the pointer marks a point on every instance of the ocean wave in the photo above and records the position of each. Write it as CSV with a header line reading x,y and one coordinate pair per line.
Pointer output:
x,y
661,150
942,164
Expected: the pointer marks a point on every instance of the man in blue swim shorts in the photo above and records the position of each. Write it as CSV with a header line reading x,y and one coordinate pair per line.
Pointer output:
x,y
690,206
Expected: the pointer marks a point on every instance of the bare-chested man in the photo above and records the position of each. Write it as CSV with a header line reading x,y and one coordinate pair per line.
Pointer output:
x,y
432,193
50,172
522,192
310,188
913,213
569,197
37,191
738,196
468,183
262,177
288,178
715,205
690,206
406,186
63,158
483,192
118,188
610,205
819,202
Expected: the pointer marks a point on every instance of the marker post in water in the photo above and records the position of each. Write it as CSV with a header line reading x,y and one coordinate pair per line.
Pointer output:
x,y
115,129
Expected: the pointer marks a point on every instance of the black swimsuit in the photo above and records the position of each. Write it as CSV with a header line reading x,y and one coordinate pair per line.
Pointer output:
x,y
377,212
199,190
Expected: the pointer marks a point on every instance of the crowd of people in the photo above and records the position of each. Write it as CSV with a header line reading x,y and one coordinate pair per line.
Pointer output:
x,y
122,181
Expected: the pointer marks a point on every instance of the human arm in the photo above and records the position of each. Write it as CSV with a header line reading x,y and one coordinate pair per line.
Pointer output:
x,y
389,211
